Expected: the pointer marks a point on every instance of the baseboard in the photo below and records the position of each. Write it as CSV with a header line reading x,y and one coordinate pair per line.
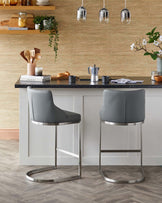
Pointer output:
x,y
9,134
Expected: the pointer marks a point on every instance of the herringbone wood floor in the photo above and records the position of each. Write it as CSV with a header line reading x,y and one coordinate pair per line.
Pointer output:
x,y
14,188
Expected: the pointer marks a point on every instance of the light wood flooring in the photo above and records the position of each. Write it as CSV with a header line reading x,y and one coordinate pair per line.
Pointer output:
x,y
14,188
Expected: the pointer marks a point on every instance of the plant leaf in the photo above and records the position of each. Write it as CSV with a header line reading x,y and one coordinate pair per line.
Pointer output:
x,y
153,56
149,33
147,53
151,40
152,32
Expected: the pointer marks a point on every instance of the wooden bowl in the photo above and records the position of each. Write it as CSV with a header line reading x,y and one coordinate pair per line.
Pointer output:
x,y
158,78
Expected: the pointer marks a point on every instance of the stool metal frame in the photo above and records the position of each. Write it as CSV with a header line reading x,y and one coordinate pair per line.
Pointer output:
x,y
102,172
78,156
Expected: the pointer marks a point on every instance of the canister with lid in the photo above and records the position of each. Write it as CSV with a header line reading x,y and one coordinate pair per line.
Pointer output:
x,y
22,19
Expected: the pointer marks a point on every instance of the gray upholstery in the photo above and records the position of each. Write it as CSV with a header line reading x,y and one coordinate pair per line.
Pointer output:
x,y
42,108
123,106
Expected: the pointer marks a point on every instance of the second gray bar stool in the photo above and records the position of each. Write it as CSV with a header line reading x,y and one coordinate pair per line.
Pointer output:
x,y
43,111
122,108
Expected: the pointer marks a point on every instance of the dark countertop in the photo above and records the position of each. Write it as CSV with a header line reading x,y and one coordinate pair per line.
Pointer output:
x,y
84,82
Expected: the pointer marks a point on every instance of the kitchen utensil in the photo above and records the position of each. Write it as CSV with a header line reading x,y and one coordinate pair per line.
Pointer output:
x,y
27,55
32,53
37,50
105,79
37,57
22,54
94,73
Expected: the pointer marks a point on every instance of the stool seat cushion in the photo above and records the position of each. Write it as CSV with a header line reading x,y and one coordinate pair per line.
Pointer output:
x,y
42,108
123,106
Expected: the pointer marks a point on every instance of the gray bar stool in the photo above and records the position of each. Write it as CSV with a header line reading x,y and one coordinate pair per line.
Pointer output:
x,y
122,108
43,111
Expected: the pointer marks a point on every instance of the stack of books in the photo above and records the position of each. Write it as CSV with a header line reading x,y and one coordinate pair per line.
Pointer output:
x,y
31,78
17,28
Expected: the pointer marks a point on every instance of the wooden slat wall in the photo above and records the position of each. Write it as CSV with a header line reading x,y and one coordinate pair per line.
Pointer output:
x,y
81,45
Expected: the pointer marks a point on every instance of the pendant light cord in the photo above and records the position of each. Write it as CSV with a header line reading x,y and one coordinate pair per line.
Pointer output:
x,y
125,3
103,3
82,2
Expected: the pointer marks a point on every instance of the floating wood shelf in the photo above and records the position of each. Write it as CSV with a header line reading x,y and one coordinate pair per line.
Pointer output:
x,y
36,8
19,32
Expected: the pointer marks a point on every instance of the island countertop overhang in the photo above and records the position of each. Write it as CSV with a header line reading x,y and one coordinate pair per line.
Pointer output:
x,y
84,82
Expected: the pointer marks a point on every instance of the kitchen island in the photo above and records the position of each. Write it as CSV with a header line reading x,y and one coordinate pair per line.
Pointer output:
x,y
84,97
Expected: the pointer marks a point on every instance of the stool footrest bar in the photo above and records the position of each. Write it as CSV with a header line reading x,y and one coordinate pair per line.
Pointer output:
x,y
129,150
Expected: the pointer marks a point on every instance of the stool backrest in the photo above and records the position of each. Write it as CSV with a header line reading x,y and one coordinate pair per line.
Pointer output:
x,y
41,105
123,106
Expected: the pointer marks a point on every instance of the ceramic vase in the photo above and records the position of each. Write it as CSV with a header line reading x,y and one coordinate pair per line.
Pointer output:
x,y
37,26
159,65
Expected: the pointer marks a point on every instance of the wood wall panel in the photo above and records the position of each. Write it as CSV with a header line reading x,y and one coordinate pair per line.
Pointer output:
x,y
81,45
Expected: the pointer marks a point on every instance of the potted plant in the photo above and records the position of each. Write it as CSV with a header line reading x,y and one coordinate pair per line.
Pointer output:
x,y
152,46
50,23
37,21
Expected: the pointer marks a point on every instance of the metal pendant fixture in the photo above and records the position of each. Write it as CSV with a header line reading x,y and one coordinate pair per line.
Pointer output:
x,y
81,13
125,15
104,14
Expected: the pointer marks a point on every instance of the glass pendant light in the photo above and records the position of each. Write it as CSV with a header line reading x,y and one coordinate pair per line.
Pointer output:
x,y
104,14
125,15
81,13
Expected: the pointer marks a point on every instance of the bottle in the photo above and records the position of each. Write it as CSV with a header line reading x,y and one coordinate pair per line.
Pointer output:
x,y
22,19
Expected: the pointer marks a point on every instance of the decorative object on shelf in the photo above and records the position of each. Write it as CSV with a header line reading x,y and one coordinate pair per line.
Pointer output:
x,y
13,2
125,15
104,14
31,56
22,19
42,2
1,2
81,13
51,25
154,39
37,21
6,2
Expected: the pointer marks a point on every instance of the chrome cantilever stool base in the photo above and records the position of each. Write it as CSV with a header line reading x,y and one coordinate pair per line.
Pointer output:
x,y
29,175
103,172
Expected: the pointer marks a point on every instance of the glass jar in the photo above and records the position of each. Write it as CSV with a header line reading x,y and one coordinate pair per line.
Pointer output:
x,y
13,2
1,2
6,2
22,19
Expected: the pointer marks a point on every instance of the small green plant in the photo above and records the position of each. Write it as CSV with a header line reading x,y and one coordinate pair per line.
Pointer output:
x,y
52,26
38,19
152,38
